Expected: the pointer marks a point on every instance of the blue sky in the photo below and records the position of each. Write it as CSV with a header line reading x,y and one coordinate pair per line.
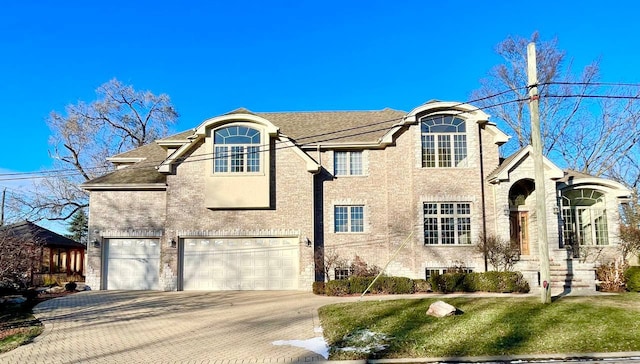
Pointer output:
x,y
211,57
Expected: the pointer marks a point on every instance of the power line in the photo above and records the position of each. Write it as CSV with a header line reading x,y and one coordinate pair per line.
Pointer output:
x,y
73,172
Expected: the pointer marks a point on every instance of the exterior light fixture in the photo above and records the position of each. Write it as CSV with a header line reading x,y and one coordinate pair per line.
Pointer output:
x,y
308,241
506,210
96,243
173,243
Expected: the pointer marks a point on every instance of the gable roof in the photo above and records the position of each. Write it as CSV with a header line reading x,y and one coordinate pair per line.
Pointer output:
x,y
147,165
33,233
306,128
501,173
142,173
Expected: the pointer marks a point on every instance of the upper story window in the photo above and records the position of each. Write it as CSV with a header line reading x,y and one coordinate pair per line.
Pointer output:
x,y
447,223
347,163
444,142
236,150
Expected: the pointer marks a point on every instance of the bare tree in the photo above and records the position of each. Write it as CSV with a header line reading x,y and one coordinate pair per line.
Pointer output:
x,y
556,113
587,126
501,254
328,262
19,259
86,134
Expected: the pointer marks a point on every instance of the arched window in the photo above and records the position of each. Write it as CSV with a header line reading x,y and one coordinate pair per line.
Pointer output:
x,y
585,217
444,141
236,150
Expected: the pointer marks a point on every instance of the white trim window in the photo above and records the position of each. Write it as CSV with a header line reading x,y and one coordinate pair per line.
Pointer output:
x,y
236,150
444,142
584,218
347,163
348,219
447,223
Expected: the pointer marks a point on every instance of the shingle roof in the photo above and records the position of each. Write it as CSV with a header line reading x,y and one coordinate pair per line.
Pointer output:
x,y
504,163
302,127
334,126
33,233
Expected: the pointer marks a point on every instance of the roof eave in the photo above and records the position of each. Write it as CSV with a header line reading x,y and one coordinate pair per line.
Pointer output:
x,y
124,186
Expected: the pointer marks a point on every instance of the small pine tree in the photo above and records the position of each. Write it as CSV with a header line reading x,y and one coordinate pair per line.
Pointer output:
x,y
79,227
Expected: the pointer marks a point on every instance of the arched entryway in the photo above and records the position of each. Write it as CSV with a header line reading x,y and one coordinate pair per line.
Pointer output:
x,y
519,199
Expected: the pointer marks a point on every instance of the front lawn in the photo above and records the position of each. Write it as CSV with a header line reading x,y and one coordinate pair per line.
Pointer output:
x,y
488,326
18,326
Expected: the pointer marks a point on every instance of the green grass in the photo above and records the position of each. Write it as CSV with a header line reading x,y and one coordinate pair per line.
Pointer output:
x,y
20,336
18,326
488,326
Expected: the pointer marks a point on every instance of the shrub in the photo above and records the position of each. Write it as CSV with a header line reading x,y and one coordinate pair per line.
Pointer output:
x,y
360,268
396,285
70,286
611,276
318,288
338,287
448,282
357,285
500,253
421,286
499,282
632,275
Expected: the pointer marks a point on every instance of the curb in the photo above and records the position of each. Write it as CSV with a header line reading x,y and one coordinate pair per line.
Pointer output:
x,y
629,355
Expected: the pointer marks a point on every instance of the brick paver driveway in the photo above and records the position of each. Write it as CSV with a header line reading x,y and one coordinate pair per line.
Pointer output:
x,y
173,327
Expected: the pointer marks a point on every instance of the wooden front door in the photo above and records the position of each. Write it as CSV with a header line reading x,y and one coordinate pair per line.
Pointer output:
x,y
519,227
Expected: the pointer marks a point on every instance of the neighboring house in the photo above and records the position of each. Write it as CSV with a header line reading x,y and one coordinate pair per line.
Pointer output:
x,y
56,256
253,201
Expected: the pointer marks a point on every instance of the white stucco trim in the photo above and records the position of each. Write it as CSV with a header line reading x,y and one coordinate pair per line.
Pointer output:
x,y
217,121
201,131
118,160
125,187
609,187
311,165
434,107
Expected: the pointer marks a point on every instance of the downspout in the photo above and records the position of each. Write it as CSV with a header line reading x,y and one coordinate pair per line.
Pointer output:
x,y
317,222
484,207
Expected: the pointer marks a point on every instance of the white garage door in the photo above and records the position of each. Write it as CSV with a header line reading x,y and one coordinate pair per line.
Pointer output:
x,y
240,264
132,264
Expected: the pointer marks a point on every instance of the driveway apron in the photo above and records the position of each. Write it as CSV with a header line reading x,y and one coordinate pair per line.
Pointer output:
x,y
174,327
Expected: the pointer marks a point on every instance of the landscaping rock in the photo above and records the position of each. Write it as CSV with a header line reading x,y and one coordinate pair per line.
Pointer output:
x,y
81,286
55,289
441,309
14,300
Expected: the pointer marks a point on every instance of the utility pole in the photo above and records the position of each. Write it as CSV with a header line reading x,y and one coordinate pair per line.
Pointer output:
x,y
4,192
541,207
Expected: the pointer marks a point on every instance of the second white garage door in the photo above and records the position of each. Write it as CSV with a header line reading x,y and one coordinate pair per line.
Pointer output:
x,y
240,264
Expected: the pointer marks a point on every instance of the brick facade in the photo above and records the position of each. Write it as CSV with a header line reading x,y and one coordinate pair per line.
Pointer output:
x,y
393,190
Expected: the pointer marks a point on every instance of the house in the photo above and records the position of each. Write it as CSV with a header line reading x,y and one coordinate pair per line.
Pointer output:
x,y
54,256
254,201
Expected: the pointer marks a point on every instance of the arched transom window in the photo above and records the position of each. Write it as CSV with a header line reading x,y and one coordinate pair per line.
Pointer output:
x,y
444,141
236,150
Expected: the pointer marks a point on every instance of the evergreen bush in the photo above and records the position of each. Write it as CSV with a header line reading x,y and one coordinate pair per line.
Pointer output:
x,y
632,276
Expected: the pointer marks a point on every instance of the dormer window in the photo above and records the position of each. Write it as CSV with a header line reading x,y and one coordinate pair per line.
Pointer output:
x,y
444,142
236,150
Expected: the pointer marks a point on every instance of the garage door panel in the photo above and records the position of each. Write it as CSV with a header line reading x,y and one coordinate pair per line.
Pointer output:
x,y
132,264
240,264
